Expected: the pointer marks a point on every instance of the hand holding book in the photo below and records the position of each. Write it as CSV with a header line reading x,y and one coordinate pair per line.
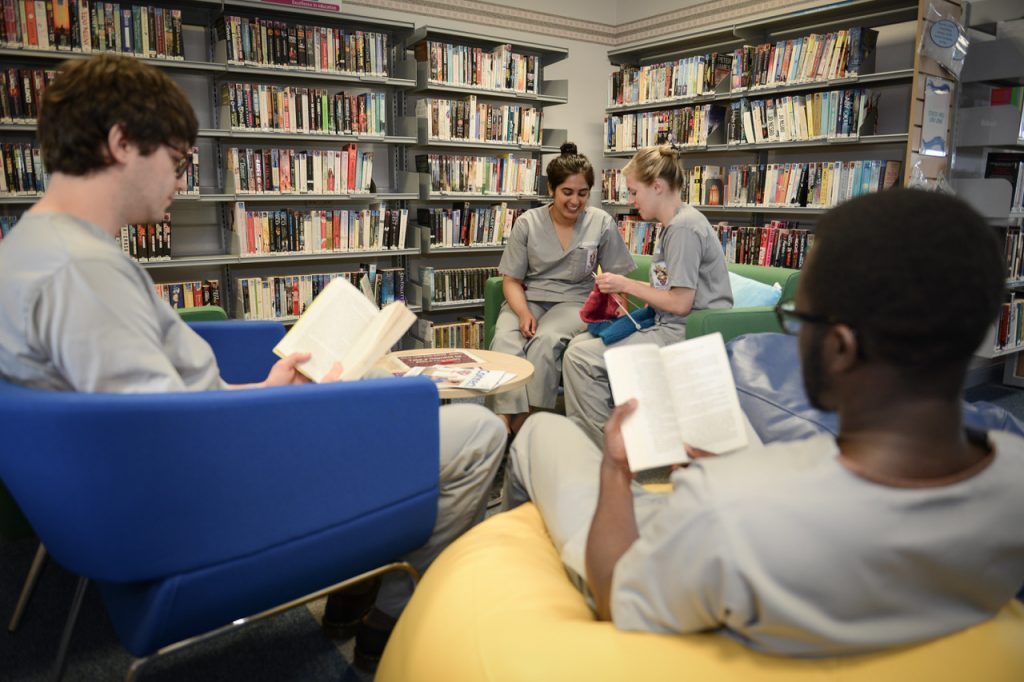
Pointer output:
x,y
685,395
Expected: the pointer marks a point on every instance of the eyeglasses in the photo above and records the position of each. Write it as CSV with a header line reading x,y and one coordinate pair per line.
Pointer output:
x,y
182,165
791,319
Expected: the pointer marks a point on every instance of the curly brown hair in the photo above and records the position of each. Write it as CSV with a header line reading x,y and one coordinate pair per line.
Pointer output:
x,y
89,97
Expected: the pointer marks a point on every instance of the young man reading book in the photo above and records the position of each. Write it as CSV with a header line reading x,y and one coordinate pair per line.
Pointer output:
x,y
902,529
77,314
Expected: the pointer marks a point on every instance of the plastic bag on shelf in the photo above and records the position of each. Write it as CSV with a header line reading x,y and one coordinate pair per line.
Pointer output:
x,y
945,40
918,179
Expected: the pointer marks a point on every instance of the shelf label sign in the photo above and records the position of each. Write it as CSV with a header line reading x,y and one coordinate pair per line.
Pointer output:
x,y
323,5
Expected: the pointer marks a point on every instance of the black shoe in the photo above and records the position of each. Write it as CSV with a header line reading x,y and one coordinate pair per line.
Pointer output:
x,y
372,636
497,491
346,608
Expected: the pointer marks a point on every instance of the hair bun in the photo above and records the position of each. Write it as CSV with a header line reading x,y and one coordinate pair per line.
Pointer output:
x,y
569,149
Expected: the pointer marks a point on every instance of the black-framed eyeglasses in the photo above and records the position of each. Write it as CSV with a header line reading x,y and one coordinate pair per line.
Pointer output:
x,y
182,165
791,319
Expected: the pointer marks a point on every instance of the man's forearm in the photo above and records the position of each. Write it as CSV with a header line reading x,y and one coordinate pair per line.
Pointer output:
x,y
612,532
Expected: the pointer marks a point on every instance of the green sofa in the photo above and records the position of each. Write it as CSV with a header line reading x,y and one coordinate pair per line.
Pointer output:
x,y
731,322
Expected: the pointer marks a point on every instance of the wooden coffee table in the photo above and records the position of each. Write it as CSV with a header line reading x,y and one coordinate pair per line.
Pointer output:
x,y
493,360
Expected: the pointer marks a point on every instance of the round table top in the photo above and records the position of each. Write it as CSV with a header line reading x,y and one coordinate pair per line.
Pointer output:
x,y
491,360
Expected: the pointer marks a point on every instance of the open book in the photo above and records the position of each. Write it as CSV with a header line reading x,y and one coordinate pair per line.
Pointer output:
x,y
341,325
685,394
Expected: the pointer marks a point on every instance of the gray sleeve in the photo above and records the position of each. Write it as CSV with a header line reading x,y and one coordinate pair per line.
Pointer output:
x,y
613,255
678,576
515,257
682,250
100,332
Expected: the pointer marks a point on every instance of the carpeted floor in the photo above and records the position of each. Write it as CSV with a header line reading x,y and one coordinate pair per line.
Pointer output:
x,y
288,647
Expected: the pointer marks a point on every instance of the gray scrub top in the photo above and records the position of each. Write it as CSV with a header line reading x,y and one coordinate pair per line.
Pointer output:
x,y
688,254
535,256
77,314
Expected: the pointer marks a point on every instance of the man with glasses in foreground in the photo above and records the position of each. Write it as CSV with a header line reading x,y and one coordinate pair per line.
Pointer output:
x,y
77,314
903,528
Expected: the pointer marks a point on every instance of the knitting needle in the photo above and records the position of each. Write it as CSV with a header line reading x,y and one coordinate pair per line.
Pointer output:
x,y
621,307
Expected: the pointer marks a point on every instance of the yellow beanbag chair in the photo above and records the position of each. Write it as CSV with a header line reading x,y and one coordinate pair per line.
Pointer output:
x,y
496,606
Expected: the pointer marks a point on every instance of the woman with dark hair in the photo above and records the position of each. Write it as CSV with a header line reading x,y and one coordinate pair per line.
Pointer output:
x,y
547,266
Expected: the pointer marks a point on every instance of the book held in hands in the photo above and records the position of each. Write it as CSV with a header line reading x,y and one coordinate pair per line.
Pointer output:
x,y
341,325
685,396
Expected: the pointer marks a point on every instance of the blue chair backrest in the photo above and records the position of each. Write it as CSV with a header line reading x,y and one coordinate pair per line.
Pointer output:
x,y
126,488
246,357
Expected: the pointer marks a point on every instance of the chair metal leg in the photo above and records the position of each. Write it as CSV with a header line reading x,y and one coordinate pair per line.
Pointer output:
x,y
139,663
69,626
30,585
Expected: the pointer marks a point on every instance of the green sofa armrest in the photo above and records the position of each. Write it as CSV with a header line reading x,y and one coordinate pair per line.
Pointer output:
x,y
204,313
494,296
785,277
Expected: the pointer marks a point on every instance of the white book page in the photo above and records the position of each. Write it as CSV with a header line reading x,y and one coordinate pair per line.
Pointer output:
x,y
329,328
704,393
384,331
650,433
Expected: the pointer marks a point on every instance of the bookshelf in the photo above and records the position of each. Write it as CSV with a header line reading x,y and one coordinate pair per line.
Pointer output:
x,y
207,55
478,103
712,104
988,152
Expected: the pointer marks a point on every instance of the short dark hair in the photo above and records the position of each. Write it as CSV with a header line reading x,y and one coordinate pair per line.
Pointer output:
x,y
919,275
568,163
88,97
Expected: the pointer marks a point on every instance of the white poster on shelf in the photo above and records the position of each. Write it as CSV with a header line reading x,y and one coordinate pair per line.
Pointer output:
x,y
938,100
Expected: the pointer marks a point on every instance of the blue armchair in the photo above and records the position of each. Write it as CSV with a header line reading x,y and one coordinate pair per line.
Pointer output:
x,y
192,511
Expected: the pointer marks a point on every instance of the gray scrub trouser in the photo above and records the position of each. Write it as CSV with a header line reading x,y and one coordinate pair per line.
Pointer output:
x,y
557,323
472,447
554,464
588,396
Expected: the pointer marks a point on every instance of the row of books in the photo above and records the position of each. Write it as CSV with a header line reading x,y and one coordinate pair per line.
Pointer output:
x,y
502,174
87,26
22,93
23,171
284,296
1010,328
257,41
815,57
681,78
820,115
810,184
464,225
780,243
613,186
297,171
147,242
319,231
641,236
1013,250
386,285
192,175
449,285
250,106
190,294
497,69
468,332
472,121
693,126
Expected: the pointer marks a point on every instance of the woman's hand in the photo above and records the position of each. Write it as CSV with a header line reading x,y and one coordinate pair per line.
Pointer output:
x,y
528,325
610,283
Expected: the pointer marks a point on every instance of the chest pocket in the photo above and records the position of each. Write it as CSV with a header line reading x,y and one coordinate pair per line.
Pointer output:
x,y
582,261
